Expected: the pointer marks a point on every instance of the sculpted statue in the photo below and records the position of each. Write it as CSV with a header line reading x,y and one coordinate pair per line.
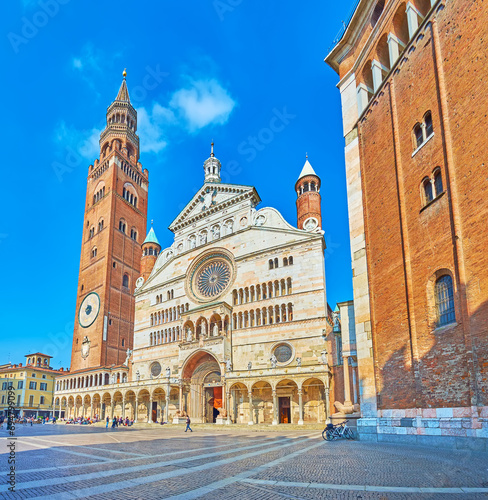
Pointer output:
x,y
138,375
189,335
249,365
193,242
215,330
228,365
299,361
323,357
168,372
273,360
203,329
129,354
203,238
223,413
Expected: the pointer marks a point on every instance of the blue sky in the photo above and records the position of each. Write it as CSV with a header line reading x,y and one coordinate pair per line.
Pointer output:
x,y
197,71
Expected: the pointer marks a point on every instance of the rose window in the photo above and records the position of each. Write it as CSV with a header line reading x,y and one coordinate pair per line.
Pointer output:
x,y
213,278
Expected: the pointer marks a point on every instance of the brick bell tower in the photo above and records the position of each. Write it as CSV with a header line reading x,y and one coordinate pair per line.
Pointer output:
x,y
113,230
307,187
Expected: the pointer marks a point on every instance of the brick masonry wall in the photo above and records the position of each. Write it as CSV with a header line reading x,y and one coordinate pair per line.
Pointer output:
x,y
416,364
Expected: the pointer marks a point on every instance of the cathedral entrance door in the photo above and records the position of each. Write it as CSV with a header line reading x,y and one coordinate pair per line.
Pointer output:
x,y
202,370
284,410
213,403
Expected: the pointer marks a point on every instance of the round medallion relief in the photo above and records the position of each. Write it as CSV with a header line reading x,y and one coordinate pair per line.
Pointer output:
x,y
155,369
283,353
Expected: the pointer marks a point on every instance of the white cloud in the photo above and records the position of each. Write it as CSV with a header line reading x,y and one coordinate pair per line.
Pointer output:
x,y
203,103
77,63
89,59
83,142
151,127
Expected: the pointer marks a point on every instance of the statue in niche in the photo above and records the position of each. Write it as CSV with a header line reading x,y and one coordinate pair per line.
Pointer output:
x,y
203,238
228,365
168,372
230,226
249,365
113,378
189,335
128,354
203,329
215,332
193,242
273,360
216,232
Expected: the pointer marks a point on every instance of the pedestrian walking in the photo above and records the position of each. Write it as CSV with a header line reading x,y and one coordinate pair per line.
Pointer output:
x,y
188,422
114,423
107,420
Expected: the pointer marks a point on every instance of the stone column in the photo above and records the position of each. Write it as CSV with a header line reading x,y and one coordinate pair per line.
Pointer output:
x,y
166,408
354,383
327,405
412,19
275,409
300,407
180,403
347,384
149,416
204,407
251,416
227,396
123,408
136,409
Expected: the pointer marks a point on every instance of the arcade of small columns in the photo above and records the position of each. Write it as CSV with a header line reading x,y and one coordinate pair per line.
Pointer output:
x,y
249,401
93,380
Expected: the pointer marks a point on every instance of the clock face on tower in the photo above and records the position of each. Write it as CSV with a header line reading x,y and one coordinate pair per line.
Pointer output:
x,y
89,310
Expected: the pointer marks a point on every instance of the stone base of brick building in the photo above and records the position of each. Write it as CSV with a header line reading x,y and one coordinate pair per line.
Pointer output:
x,y
463,428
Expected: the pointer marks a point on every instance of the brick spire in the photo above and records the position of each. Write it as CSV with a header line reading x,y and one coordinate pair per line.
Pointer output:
x,y
123,94
121,128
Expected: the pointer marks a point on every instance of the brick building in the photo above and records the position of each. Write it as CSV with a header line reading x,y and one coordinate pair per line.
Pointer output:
x,y
412,83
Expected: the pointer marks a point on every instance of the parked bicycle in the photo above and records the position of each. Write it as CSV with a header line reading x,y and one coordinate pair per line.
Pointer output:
x,y
338,431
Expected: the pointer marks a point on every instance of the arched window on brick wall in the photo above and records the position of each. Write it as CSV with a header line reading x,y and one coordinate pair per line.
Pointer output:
x,y
444,300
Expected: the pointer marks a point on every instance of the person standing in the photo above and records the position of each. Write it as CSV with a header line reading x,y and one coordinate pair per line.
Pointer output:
x,y
107,420
188,422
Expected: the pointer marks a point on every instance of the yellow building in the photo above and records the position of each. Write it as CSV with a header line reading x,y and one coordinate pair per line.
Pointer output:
x,y
32,385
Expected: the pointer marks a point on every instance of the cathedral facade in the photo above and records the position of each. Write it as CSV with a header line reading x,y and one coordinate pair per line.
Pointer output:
x,y
231,321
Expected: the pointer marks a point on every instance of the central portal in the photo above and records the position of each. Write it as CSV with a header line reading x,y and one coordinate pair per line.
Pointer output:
x,y
202,378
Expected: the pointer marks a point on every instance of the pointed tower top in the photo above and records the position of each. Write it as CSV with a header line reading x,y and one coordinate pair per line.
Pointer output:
x,y
307,170
151,237
123,94
211,149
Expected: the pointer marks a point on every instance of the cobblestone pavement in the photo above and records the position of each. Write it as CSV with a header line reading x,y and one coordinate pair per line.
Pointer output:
x,y
64,462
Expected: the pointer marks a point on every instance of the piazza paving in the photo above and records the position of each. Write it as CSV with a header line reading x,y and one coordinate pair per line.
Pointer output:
x,y
64,462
